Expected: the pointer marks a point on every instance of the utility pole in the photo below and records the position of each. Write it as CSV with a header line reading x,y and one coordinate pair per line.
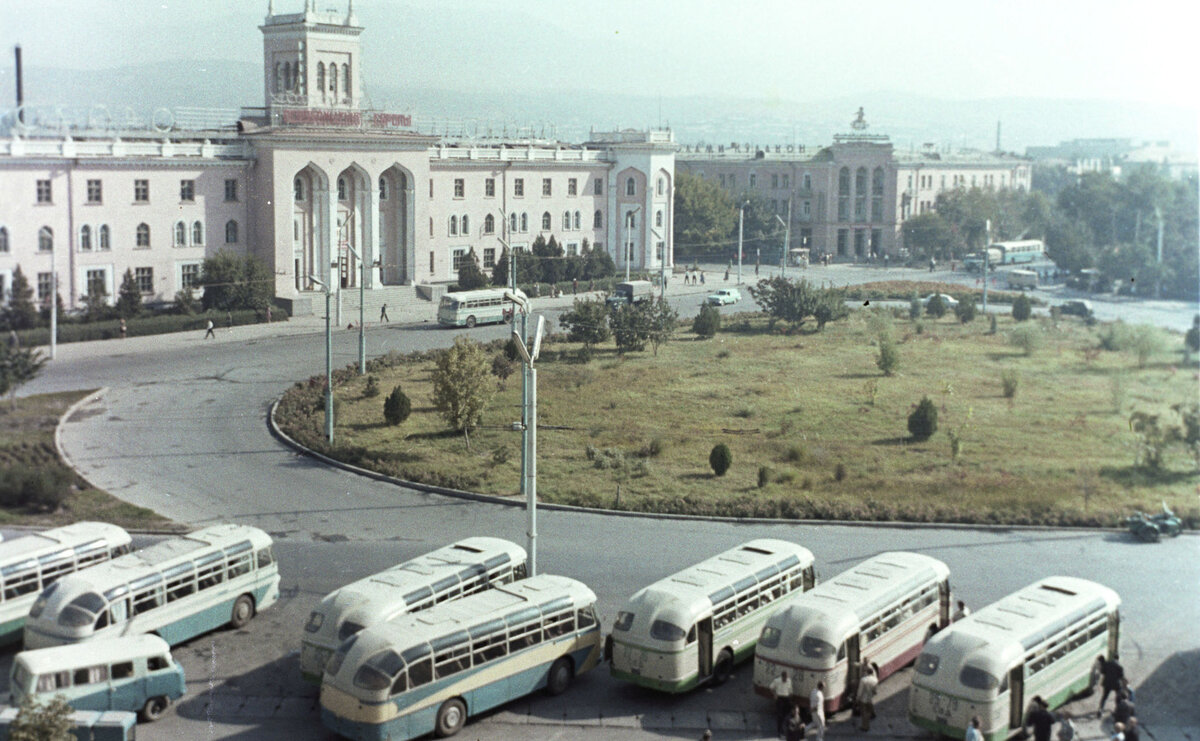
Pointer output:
x,y
987,254
362,337
529,426
741,218
1158,274
662,266
787,235
328,360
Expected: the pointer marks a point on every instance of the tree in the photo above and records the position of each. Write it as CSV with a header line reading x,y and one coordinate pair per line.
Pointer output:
x,y
185,301
396,407
1022,308
129,297
597,263
831,306
928,235
663,321
965,310
936,307
631,326
922,423
708,322
42,722
788,300
500,269
233,281
549,258
461,385
720,458
18,366
20,312
889,355
586,322
470,276
1191,340
704,214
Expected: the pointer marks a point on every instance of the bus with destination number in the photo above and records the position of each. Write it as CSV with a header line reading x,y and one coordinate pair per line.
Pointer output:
x,y
177,588
693,626
457,570
31,563
430,671
1040,640
876,612
468,308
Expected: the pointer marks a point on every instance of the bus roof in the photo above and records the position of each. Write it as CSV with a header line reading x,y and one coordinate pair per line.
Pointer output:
x,y
845,601
481,293
60,537
102,651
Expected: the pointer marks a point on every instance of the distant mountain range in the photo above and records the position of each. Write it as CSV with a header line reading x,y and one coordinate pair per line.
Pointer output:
x,y
909,120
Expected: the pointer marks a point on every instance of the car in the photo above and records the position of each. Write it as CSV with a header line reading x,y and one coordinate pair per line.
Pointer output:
x,y
947,300
724,296
1077,307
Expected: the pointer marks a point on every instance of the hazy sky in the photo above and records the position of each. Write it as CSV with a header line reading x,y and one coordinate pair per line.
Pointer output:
x,y
793,49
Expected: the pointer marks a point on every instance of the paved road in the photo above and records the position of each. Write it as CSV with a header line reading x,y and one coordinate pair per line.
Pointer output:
x,y
181,429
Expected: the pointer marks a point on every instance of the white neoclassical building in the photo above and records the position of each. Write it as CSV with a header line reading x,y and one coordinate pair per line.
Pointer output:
x,y
312,182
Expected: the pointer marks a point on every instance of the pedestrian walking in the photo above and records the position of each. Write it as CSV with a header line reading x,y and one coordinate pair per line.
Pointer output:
x,y
701,277
1118,732
1066,727
781,688
1131,731
706,736
124,329
1125,709
973,732
960,612
795,729
574,286
268,313
1111,674
383,317
816,705
931,631
1041,719
14,342
727,274
209,332
867,685
932,263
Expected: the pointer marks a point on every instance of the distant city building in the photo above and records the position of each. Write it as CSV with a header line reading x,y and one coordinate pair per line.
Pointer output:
x,y
311,182
1116,156
851,198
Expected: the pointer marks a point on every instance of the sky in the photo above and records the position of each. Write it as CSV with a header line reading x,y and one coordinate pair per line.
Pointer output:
x,y
787,49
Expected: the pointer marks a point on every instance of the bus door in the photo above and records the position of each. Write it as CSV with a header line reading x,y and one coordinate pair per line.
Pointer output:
x,y
943,604
810,578
126,687
853,669
1016,696
704,646
1114,632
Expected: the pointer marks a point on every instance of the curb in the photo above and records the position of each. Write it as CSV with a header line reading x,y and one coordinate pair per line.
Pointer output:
x,y
278,433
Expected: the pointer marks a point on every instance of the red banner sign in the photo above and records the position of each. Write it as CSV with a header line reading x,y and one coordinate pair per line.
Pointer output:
x,y
347,119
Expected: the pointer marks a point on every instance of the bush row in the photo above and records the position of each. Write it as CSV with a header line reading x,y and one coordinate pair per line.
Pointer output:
x,y
75,331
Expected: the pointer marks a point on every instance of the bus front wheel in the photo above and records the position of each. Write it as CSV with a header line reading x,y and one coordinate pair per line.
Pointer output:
x,y
470,322
450,717
154,708
243,610
561,674
723,668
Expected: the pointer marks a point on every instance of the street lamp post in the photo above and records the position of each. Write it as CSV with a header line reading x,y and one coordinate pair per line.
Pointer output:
x,y
741,218
629,227
529,424
987,252
362,332
662,265
53,303
328,360
787,236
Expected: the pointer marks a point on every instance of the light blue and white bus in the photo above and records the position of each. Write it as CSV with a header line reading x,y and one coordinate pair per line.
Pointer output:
x,y
431,670
135,673
177,588
457,570
31,563
468,308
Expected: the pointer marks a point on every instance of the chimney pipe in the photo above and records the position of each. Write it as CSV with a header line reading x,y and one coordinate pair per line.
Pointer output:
x,y
20,93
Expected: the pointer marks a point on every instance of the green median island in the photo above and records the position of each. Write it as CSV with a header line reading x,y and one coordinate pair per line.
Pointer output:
x,y
887,414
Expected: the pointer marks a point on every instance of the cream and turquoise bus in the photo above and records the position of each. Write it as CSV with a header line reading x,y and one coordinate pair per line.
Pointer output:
x,y
457,570
693,626
1041,640
31,563
177,588
468,308
877,611
431,670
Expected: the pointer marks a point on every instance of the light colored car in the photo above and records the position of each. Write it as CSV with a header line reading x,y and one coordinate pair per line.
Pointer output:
x,y
947,300
724,296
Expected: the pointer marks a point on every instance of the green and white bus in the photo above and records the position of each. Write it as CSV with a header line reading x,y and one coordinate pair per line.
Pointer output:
x,y
177,588
693,626
31,563
468,308
1040,640
877,611
457,570
430,671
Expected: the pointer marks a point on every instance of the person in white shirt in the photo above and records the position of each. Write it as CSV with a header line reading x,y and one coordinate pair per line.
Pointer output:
x,y
866,697
973,733
961,612
816,704
781,688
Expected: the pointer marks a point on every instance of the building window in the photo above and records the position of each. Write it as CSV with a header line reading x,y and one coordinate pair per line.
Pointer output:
x,y
143,236
546,189
180,234
454,226
145,279
431,226
598,219
512,227
341,186
806,209
466,225
753,179
43,191
45,239
662,186
785,180
3,239
383,189
774,180
431,187
459,188
44,289
807,181
598,187
732,180
95,191
187,190
85,238
659,249
96,283
546,221
566,222
519,187
298,189
489,224
578,220
630,187
231,232
489,188
189,275
141,191
460,259
230,189
572,248
658,218
572,186
524,222
431,261
722,177
843,241
197,233
489,257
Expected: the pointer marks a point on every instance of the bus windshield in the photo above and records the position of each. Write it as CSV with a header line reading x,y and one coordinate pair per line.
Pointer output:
x,y
815,648
976,678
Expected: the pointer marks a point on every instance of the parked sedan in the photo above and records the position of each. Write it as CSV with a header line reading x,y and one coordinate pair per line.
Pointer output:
x,y
947,300
724,296
1078,307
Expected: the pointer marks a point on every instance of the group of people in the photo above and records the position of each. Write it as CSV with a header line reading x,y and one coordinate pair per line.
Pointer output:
x,y
696,277
793,725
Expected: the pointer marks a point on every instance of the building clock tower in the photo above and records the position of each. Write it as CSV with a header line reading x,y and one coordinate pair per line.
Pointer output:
x,y
312,59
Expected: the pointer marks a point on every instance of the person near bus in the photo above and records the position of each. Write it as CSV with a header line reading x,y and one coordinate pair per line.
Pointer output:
x,y
781,687
816,705
1118,732
795,728
1124,710
867,686
973,732
960,612
1066,727
1131,730
1041,719
1111,674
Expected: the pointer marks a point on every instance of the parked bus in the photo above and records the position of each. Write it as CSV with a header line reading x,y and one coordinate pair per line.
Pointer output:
x,y
177,588
1022,279
693,626
432,670
31,563
876,612
1041,640
468,308
458,570
1019,251
133,673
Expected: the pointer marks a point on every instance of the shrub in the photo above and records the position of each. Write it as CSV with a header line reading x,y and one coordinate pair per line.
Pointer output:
x,y
708,322
965,311
43,489
922,423
914,308
794,454
1022,308
936,307
724,353
744,413
500,455
839,472
502,366
372,388
889,357
720,459
765,474
397,407
654,448
991,324
1144,342
919,327
1009,380
1027,337
1191,340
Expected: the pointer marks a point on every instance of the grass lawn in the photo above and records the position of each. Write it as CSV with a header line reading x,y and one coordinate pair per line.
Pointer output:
x,y
814,410
27,440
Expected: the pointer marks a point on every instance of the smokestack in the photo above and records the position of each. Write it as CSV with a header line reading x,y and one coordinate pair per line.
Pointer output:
x,y
20,92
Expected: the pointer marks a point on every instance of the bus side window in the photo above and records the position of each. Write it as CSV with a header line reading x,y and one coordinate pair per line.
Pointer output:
x,y
691,636
155,663
91,675
147,600
586,618
265,558
124,670
421,672
401,683
211,575
51,682
239,565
